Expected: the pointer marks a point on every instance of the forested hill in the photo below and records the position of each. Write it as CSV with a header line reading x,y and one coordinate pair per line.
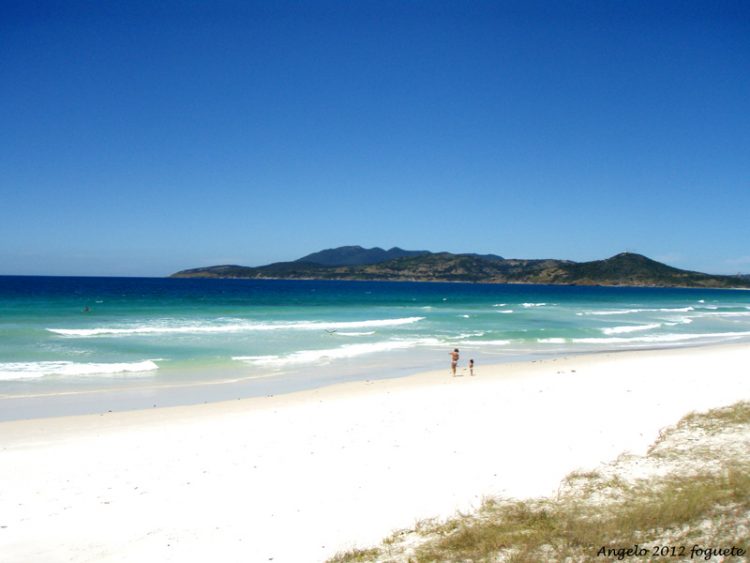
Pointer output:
x,y
355,263
356,255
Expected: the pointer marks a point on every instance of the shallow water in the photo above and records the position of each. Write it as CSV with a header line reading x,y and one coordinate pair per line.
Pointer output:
x,y
81,344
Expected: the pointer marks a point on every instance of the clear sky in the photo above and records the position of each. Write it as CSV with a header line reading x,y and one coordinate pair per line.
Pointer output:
x,y
140,138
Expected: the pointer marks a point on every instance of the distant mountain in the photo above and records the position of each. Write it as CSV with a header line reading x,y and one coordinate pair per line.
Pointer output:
x,y
624,269
357,256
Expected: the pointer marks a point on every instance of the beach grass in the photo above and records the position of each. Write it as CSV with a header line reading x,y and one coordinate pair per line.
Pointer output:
x,y
692,488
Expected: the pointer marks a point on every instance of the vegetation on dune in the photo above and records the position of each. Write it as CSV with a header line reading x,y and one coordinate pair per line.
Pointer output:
x,y
695,496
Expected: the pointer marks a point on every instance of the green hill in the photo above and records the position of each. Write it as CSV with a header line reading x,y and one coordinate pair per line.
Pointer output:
x,y
356,255
624,269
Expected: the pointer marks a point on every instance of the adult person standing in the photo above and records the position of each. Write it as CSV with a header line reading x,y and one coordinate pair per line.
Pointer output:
x,y
454,361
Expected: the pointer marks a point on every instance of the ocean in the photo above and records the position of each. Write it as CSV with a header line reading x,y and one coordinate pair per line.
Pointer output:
x,y
82,345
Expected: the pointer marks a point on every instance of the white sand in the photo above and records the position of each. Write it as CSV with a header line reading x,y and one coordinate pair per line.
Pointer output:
x,y
296,478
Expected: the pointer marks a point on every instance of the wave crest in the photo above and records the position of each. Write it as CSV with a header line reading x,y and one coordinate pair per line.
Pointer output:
x,y
630,328
342,352
663,338
32,370
244,326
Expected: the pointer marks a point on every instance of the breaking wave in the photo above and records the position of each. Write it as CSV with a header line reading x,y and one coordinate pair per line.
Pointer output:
x,y
485,342
32,370
234,327
630,328
633,311
327,355
661,338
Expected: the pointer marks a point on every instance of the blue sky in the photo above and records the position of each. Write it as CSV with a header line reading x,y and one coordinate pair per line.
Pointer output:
x,y
140,139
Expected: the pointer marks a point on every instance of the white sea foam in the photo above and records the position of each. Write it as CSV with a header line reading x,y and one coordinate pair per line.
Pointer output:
x,y
725,314
499,305
663,338
169,327
506,311
469,335
257,360
32,370
327,355
485,343
679,321
615,312
368,333
630,328
632,311
528,305
551,340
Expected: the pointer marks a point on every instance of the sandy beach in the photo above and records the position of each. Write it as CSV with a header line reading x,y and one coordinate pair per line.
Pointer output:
x,y
299,477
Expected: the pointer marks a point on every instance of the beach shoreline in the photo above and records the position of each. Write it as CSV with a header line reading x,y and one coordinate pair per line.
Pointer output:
x,y
236,384
300,476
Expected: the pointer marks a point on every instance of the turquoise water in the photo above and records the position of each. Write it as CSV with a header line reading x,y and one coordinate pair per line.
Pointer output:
x,y
63,337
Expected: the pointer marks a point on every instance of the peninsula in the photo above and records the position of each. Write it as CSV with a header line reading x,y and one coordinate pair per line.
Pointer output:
x,y
396,264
